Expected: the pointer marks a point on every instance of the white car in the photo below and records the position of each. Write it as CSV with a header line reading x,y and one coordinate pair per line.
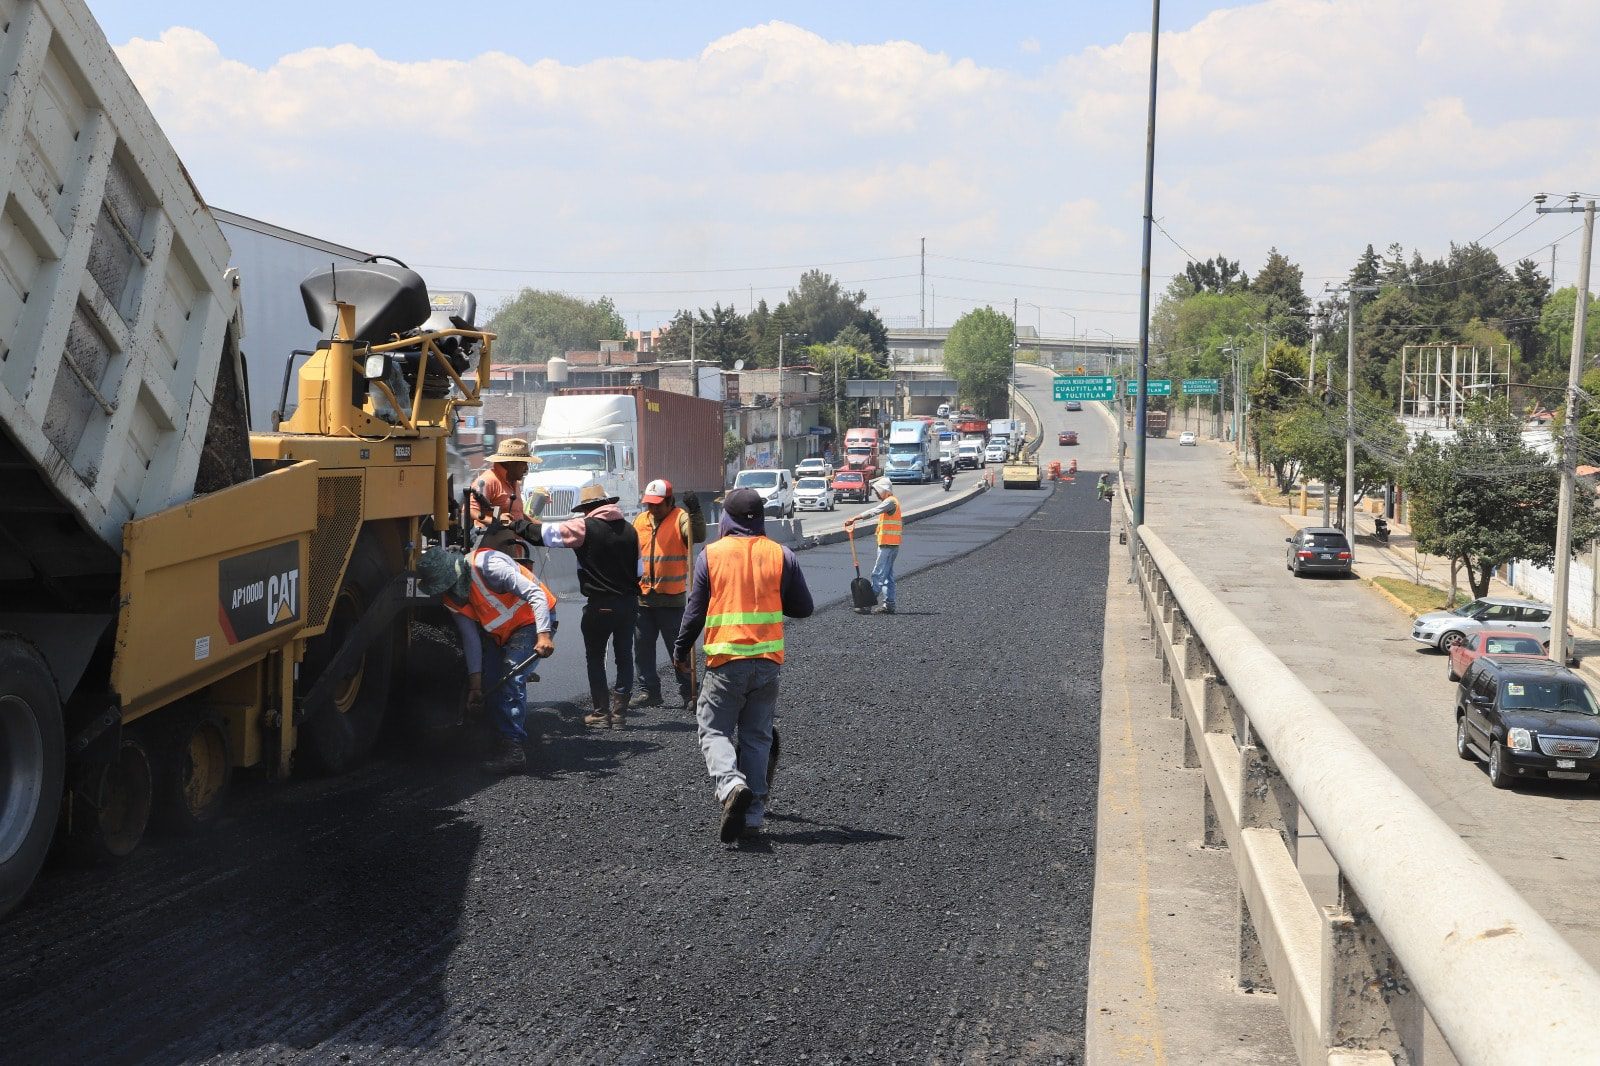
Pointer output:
x,y
995,452
815,466
813,494
969,455
1188,438
775,487
1445,629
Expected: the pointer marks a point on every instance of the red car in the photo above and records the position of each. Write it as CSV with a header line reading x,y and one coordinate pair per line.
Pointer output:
x,y
851,485
1067,436
1492,642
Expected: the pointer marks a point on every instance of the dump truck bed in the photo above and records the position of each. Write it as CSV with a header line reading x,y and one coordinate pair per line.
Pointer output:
x,y
115,306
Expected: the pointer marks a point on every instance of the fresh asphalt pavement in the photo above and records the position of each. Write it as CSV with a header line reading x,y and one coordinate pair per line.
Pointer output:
x,y
1355,651
922,891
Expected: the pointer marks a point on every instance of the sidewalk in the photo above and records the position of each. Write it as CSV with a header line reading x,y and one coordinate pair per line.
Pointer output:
x,y
1400,558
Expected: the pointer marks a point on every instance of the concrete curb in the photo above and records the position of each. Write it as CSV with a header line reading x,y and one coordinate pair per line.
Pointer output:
x,y
1399,604
838,535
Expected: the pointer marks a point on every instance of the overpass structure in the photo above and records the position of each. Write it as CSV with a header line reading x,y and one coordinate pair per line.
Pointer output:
x,y
913,347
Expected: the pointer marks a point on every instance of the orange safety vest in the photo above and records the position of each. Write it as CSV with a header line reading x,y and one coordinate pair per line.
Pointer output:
x,y
744,619
498,614
664,551
890,525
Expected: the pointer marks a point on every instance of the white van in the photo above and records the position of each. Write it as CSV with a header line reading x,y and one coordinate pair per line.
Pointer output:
x,y
775,486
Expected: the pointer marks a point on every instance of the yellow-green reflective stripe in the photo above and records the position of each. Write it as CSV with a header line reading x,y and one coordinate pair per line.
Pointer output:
x,y
669,558
749,618
745,649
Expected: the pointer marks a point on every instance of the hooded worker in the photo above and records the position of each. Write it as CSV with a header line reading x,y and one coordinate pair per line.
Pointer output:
x,y
503,616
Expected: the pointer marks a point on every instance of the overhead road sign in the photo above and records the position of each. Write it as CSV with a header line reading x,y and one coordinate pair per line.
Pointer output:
x,y
1203,387
1085,388
1153,387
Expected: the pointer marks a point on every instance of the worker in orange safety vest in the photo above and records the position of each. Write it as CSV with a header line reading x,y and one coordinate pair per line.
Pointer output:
x,y
667,536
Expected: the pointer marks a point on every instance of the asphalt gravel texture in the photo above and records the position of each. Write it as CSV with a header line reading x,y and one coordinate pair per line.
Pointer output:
x,y
922,891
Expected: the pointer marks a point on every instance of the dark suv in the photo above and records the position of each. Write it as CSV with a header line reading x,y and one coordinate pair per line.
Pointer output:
x,y
1318,550
1529,719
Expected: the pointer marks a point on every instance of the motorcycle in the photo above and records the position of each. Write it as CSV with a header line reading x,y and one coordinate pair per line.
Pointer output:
x,y
1380,529
949,479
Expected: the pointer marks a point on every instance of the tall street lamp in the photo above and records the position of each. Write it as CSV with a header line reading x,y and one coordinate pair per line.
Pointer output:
x,y
782,462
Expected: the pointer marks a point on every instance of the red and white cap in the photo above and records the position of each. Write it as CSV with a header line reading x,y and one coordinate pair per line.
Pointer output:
x,y
657,491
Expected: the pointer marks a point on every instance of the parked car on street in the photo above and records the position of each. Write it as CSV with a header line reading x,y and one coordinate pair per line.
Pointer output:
x,y
1500,643
851,485
1528,720
1187,439
1067,437
813,466
1445,629
1319,550
1074,405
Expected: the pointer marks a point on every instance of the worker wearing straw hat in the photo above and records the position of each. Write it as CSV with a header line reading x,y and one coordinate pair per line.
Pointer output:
x,y
500,486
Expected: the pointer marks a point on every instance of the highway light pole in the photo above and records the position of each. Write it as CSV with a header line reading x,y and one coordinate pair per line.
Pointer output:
x,y
1142,403
1350,417
1567,455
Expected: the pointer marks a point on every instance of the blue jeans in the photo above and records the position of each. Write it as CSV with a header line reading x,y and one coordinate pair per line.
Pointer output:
x,y
883,574
507,704
652,624
739,697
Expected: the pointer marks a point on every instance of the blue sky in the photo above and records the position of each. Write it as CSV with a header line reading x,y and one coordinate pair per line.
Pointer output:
x,y
646,29
681,155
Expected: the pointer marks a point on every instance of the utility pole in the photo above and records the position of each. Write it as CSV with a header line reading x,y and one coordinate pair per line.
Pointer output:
x,y
838,434
1568,456
1142,404
922,287
694,370
781,463
1350,417
1013,354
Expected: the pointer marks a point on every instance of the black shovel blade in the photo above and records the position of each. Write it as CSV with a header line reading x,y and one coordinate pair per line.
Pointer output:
x,y
862,593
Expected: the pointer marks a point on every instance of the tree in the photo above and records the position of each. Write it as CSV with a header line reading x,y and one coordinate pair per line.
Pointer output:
x,y
1275,390
977,353
1485,498
1218,274
1368,268
845,361
1555,327
721,336
1529,291
1382,330
1282,285
538,324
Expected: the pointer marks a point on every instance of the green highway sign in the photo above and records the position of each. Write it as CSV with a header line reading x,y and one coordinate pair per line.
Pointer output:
x,y
1153,387
1080,387
1203,387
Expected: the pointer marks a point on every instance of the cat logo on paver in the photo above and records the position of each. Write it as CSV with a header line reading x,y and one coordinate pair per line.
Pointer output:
x,y
259,591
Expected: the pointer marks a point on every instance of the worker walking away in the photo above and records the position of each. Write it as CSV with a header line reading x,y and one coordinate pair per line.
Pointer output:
x,y
743,586
1103,487
891,522
667,536
504,617
607,548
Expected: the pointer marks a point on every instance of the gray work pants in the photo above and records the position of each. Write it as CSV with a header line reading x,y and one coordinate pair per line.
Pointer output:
x,y
739,697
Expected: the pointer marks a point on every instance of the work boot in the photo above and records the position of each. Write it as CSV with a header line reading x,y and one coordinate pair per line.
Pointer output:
x,y
600,717
511,756
887,608
733,812
619,707
646,698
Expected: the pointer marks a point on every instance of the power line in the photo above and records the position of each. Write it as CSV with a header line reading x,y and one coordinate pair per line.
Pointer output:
x,y
686,270
1034,266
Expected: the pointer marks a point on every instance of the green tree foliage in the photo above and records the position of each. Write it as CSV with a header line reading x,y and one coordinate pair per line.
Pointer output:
x,y
538,324
1525,300
1485,498
1281,284
1383,328
846,362
977,354
720,336
1218,274
1276,389
1555,329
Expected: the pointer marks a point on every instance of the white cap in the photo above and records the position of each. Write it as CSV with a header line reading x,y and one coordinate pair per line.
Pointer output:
x,y
882,486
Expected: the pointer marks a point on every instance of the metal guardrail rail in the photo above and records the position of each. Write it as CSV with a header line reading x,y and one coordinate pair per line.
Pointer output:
x,y
1422,926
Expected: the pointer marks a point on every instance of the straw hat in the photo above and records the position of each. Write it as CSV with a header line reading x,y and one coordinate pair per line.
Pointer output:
x,y
591,497
513,450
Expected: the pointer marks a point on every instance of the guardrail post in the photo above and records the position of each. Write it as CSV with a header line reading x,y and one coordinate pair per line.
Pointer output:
x,y
1191,754
1212,835
1265,799
1368,1003
1252,974
1219,703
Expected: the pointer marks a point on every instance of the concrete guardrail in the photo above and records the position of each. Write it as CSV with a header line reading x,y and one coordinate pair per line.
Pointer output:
x,y
1423,926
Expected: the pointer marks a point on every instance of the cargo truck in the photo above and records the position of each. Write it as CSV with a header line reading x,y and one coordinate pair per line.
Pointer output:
x,y
180,598
861,451
622,438
1155,423
913,451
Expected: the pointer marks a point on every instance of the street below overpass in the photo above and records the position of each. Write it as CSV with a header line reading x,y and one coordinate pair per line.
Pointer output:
x,y
922,892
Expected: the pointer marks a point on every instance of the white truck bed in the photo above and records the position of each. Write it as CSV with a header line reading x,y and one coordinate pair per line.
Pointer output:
x,y
114,299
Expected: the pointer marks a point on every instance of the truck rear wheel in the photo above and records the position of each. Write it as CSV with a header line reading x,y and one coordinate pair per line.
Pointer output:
x,y
342,731
32,764
109,806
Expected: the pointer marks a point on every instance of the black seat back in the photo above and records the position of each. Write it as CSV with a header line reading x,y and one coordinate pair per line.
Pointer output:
x,y
388,299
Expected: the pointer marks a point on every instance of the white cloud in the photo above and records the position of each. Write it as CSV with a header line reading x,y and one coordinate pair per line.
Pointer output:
x,y
1028,46
1313,125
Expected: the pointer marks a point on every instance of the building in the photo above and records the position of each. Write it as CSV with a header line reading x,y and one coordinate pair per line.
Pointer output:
x,y
752,412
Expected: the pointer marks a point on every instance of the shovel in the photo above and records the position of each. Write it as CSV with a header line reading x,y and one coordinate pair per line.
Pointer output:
x,y
862,594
